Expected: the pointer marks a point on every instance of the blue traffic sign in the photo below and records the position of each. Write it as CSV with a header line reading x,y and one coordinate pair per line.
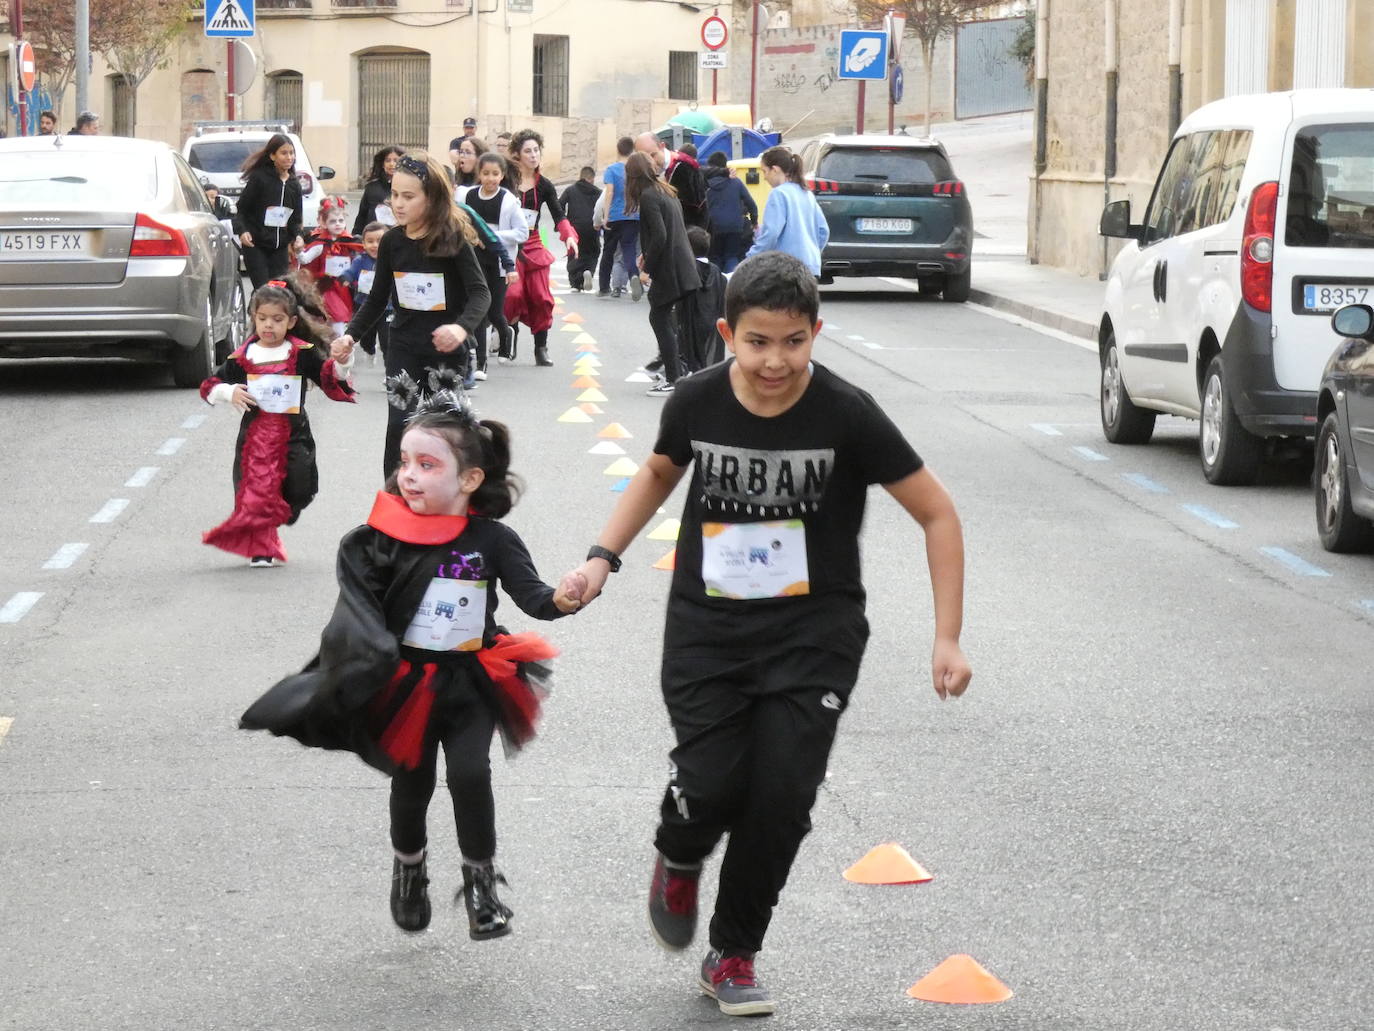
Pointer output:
x,y
898,84
863,54
229,18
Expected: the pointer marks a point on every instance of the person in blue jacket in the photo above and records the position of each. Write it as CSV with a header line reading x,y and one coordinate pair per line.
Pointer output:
x,y
792,220
728,205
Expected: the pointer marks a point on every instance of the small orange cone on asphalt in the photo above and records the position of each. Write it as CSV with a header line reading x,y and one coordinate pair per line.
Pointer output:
x,y
888,863
668,561
573,317
614,431
960,979
585,383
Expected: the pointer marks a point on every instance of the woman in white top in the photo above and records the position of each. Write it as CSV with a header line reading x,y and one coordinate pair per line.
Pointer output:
x,y
500,210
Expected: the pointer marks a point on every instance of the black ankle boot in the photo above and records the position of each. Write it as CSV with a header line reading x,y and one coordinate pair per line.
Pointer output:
x,y
410,895
488,916
541,356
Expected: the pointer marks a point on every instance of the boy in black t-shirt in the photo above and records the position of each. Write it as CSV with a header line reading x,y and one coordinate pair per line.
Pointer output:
x,y
766,621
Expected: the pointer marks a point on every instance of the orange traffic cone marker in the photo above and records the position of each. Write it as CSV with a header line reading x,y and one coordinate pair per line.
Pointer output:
x,y
614,431
888,863
573,317
668,561
960,979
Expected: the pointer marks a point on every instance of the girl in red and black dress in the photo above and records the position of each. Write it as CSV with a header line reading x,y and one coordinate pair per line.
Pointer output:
x,y
529,299
274,460
327,256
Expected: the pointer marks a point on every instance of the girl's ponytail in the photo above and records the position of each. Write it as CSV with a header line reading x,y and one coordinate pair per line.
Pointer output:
x,y
501,488
783,158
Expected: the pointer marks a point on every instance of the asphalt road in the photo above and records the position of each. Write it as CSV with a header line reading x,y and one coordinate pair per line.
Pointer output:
x,y
1145,814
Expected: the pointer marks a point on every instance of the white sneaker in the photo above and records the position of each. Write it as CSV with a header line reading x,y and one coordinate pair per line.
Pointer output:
x,y
479,375
587,281
636,289
662,389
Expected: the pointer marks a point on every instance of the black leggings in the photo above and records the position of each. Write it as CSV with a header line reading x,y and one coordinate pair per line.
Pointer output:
x,y
400,358
464,731
264,263
496,317
664,324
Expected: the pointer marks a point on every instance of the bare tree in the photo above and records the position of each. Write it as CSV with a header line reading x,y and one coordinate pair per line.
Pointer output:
x,y
50,26
149,27
928,20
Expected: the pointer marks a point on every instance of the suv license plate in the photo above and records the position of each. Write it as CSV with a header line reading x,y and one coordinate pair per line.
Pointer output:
x,y
43,244
1327,297
885,225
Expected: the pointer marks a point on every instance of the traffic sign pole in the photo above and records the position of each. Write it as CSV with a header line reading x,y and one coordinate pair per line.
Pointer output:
x,y
17,27
859,118
229,78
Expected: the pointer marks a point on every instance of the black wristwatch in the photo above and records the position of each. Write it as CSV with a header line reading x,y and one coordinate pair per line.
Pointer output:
x,y
612,559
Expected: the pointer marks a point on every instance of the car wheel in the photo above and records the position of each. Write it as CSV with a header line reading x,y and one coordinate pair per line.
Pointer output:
x,y
190,366
1123,422
957,286
1337,524
237,330
1230,453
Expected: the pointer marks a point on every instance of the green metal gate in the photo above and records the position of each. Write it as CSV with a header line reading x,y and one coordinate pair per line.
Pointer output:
x,y
393,103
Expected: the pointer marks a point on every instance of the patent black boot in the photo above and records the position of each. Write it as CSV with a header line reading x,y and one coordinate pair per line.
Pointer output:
x,y
488,916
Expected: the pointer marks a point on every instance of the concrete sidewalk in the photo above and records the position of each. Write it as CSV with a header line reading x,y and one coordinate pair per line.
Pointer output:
x,y
1048,297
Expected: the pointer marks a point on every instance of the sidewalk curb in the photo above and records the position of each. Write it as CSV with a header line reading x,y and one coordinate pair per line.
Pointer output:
x,y
1032,313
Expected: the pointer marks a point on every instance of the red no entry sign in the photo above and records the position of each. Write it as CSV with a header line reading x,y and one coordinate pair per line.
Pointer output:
x,y
24,61
714,32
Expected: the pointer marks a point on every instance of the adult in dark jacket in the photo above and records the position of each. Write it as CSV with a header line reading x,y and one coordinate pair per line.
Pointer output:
x,y
376,203
732,212
665,257
270,210
579,201
684,176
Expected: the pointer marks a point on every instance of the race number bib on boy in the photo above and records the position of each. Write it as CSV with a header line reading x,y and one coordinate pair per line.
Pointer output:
x,y
276,393
365,281
451,618
420,291
276,217
754,560
336,265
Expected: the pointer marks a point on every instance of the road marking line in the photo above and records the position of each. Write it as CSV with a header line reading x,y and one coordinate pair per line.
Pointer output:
x,y
1208,516
1090,455
856,336
1145,483
171,445
871,345
1046,428
142,477
831,326
1298,565
1055,334
64,556
5,723
111,511
18,607
193,421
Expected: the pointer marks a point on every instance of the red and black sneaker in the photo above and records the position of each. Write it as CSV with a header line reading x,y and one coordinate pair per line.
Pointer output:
x,y
673,903
731,982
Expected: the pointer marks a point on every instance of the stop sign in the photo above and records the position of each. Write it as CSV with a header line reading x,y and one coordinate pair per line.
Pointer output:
x,y
25,64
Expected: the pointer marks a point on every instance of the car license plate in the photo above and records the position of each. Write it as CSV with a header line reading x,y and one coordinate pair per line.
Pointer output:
x,y
885,225
1325,297
43,244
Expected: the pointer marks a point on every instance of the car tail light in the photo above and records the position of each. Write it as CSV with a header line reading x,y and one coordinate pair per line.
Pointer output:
x,y
955,255
152,239
306,180
1257,247
949,188
818,185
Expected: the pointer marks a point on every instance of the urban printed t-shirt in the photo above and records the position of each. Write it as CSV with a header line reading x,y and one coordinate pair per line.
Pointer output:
x,y
768,552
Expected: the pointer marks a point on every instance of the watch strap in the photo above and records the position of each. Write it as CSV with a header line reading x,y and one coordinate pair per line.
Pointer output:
x,y
612,559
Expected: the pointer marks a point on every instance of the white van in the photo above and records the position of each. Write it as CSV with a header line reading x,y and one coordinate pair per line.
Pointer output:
x,y
217,150
1219,307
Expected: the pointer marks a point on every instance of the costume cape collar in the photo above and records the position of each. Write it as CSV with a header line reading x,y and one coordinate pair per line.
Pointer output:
x,y
393,517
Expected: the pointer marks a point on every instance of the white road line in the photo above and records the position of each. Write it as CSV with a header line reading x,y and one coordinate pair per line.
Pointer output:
x,y
18,607
1035,327
871,345
193,421
171,445
5,723
64,556
111,511
1208,516
856,336
1298,565
142,477
1090,455
1046,428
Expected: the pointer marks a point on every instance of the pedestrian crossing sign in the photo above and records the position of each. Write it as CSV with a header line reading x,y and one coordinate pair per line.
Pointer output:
x,y
229,18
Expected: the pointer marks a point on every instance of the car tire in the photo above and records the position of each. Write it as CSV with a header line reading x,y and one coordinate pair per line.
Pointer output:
x,y
1230,453
958,285
191,366
1123,422
1338,526
237,330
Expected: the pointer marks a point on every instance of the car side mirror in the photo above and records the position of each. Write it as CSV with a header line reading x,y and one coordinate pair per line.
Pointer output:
x,y
1354,320
325,172
1116,222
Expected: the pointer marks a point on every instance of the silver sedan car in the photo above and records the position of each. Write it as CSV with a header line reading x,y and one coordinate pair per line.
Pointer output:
x,y
109,248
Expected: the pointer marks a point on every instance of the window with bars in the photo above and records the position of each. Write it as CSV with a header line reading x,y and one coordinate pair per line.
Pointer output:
x,y
682,75
551,75
122,107
284,91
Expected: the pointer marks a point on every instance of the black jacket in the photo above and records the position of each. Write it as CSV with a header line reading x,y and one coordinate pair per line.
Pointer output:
x,y
663,242
728,202
263,188
579,200
685,177
377,191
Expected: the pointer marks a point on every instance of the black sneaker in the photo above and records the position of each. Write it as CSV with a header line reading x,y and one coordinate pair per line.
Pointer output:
x,y
488,916
731,982
260,561
673,904
410,895
652,365
636,288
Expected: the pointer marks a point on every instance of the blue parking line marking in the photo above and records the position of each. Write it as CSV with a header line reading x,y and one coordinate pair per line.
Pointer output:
x,y
619,486
1145,483
1046,428
193,421
1090,455
1208,516
1367,603
1299,565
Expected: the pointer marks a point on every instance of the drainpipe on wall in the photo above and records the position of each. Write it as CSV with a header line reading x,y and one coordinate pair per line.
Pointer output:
x,y
1109,143
1042,90
1175,65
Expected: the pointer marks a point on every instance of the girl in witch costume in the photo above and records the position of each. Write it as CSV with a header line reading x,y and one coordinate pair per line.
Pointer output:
x,y
266,379
413,659
327,255
529,299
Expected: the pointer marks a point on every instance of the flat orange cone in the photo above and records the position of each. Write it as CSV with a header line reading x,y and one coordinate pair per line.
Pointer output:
x,y
888,863
585,383
668,561
960,979
573,317
614,431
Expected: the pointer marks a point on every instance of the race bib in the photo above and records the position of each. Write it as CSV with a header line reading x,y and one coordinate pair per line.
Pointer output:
x,y
276,393
420,291
754,560
336,265
451,618
276,216
531,218
365,281
383,214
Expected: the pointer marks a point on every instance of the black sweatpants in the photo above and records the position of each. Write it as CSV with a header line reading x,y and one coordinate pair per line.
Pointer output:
x,y
664,322
263,263
400,358
464,730
496,315
588,251
376,337
753,740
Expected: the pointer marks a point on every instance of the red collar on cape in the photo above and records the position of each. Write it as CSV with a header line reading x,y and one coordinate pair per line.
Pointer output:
x,y
393,517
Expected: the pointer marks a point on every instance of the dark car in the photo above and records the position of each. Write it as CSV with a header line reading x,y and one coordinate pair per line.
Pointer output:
x,y
895,208
1345,438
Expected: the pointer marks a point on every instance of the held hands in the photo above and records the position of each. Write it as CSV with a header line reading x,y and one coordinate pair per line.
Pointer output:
x,y
449,337
950,671
341,349
242,400
571,590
